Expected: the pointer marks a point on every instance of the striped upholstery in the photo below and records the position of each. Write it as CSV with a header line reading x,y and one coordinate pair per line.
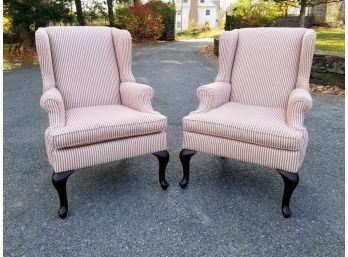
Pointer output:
x,y
90,125
97,112
85,66
52,102
252,153
212,95
90,155
248,123
259,117
267,61
143,93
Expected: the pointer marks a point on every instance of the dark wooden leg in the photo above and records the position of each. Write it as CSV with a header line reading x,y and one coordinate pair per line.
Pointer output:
x,y
59,181
185,157
163,158
290,183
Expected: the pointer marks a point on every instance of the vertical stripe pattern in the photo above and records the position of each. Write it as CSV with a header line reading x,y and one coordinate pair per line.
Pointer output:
x,y
44,54
212,95
307,51
90,155
137,96
268,70
82,68
90,125
85,67
123,47
52,102
266,66
253,124
282,159
227,49
300,102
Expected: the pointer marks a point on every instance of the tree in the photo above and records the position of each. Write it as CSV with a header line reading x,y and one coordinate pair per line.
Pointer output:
x,y
136,2
193,14
303,5
27,16
111,13
79,13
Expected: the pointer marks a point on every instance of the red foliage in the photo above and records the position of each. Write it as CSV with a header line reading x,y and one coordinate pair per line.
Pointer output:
x,y
143,23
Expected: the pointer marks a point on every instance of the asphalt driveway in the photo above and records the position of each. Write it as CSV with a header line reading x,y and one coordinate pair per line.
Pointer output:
x,y
118,209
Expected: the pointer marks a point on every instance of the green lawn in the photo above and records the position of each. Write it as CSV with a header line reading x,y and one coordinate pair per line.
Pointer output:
x,y
206,34
330,39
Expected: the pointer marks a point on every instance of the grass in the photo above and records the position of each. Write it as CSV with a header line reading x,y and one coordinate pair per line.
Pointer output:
x,y
330,39
205,34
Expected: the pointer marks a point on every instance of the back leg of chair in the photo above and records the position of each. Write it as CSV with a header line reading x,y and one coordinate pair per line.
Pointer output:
x,y
185,157
290,183
59,181
163,159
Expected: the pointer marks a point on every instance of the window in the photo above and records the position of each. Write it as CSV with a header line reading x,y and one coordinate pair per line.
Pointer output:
x,y
207,12
185,1
178,12
202,1
178,25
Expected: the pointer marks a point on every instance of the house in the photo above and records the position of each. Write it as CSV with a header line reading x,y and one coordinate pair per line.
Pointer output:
x,y
205,13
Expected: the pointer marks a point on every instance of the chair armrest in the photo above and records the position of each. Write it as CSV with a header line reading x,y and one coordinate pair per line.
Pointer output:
x,y
300,102
52,102
137,96
211,96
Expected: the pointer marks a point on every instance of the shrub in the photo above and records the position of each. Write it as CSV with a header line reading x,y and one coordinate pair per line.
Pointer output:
x,y
167,16
143,23
194,30
249,13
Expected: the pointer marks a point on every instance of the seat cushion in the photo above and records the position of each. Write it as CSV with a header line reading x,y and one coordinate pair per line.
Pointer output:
x,y
264,126
90,125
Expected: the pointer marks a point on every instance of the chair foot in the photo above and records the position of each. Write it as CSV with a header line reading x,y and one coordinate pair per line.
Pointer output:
x,y
163,158
185,157
290,183
59,182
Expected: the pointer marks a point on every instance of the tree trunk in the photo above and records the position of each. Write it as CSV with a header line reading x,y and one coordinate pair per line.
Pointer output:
x,y
111,13
80,18
26,38
302,13
193,15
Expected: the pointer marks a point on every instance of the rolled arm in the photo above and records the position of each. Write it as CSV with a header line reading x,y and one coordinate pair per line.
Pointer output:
x,y
300,102
213,95
137,96
52,102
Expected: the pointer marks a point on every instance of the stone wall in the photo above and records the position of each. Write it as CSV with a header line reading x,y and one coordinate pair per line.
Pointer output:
x,y
327,67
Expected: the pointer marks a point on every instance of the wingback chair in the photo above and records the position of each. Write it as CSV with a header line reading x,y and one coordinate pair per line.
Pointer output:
x,y
254,110
97,112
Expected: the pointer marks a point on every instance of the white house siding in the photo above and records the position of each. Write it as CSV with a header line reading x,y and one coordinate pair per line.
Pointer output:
x,y
211,19
184,9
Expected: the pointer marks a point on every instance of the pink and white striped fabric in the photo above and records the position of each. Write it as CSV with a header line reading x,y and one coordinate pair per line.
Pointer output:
x,y
238,150
89,155
259,117
97,113
95,124
248,123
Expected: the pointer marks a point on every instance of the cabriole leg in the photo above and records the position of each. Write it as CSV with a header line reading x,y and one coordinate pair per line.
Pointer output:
x,y
185,157
163,159
59,181
290,183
